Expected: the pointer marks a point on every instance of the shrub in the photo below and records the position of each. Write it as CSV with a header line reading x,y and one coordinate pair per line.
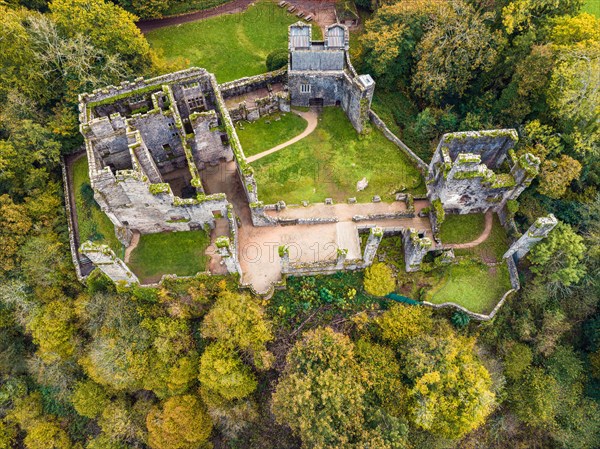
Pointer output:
x,y
460,320
277,59
379,279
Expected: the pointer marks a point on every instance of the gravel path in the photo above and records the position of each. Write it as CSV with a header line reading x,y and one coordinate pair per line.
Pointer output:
x,y
310,116
489,221
227,8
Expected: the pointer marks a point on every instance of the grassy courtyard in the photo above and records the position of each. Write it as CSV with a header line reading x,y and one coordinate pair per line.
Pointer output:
x,y
269,131
330,161
232,45
93,224
474,286
462,228
180,253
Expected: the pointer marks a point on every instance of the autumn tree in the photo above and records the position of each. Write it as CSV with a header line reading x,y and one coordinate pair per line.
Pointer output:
x,y
521,15
451,391
379,280
53,330
181,423
320,395
108,26
557,175
89,399
223,371
238,321
401,322
459,45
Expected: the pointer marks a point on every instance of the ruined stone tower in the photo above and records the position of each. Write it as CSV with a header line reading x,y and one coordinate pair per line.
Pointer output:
x,y
477,171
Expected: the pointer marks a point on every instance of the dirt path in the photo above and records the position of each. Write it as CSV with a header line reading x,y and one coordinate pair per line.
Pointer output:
x,y
228,8
310,116
489,221
135,240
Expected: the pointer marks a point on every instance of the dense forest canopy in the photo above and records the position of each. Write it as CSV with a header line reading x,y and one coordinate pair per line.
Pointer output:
x,y
198,364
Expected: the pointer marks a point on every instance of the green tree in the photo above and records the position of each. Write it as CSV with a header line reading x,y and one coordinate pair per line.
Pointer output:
x,y
379,280
223,371
535,398
181,423
14,226
557,259
383,377
276,60
517,359
391,36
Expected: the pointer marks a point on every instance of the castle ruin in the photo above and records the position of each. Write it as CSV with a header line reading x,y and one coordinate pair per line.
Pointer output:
x,y
151,146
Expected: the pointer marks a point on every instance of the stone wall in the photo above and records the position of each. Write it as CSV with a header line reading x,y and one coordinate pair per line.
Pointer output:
x,y
104,258
147,208
380,124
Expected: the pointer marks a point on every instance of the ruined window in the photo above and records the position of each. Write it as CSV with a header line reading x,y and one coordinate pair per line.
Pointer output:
x,y
195,102
305,88
167,148
171,125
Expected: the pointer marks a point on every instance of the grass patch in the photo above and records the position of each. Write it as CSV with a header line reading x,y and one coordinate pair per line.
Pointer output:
x,y
462,228
592,7
330,161
232,45
93,224
492,249
182,7
399,113
268,132
180,253
474,286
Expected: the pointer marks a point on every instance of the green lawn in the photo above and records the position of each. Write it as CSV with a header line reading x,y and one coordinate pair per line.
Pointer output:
x,y
591,7
270,131
492,249
462,228
180,253
92,222
475,286
232,45
330,161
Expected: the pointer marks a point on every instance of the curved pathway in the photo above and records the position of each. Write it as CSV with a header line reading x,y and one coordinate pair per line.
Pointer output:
x,y
135,240
226,8
489,221
310,116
